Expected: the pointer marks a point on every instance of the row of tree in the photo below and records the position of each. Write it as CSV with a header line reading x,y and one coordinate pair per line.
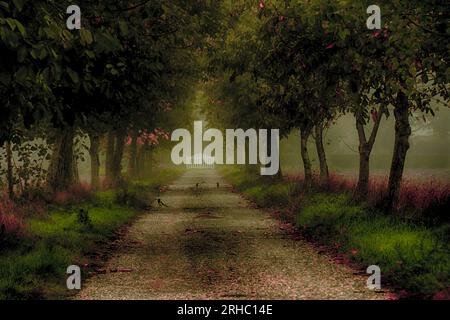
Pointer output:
x,y
126,72
299,65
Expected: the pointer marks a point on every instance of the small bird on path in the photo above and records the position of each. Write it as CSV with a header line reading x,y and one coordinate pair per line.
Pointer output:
x,y
161,203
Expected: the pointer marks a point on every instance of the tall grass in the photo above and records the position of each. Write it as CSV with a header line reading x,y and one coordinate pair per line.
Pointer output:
x,y
412,256
427,202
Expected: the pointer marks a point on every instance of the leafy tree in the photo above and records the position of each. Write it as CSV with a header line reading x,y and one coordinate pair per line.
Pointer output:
x,y
399,66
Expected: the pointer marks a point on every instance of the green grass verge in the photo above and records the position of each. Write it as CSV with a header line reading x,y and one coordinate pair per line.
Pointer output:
x,y
261,190
35,269
411,256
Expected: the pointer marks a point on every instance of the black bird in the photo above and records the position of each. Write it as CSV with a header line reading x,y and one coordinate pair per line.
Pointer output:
x,y
218,185
161,203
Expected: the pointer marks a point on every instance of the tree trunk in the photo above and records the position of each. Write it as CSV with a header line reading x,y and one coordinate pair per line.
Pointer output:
x,y
118,156
76,174
279,175
362,188
147,164
365,149
9,170
140,162
61,169
401,147
324,172
132,161
109,157
305,132
95,160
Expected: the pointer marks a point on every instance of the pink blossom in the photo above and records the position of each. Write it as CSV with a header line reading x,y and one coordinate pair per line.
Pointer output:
x,y
442,295
128,141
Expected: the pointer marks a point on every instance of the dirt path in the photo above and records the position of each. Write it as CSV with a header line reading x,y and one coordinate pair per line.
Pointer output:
x,y
212,245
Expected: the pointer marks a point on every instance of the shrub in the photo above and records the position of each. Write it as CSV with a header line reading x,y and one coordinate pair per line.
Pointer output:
x,y
83,218
335,183
35,194
240,178
11,227
424,202
276,195
76,194
134,197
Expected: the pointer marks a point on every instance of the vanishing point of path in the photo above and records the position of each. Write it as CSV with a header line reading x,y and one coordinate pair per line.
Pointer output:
x,y
210,244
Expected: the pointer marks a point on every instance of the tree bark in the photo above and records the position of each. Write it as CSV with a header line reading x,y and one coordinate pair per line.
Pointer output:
x,y
324,172
362,188
305,132
365,150
132,161
95,160
139,161
76,174
145,161
61,169
118,156
9,170
109,157
401,147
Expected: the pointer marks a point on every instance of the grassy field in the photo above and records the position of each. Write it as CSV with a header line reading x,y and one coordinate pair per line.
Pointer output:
x,y
414,256
71,232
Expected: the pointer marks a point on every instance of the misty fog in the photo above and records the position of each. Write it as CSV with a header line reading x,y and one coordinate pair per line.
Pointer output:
x,y
428,157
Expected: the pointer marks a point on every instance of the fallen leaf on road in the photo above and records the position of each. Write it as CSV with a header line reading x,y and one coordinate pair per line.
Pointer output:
x,y
100,271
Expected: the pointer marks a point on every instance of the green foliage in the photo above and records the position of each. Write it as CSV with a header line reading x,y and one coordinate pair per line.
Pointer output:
x,y
83,218
126,70
274,195
324,214
37,268
141,194
294,64
133,197
412,257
